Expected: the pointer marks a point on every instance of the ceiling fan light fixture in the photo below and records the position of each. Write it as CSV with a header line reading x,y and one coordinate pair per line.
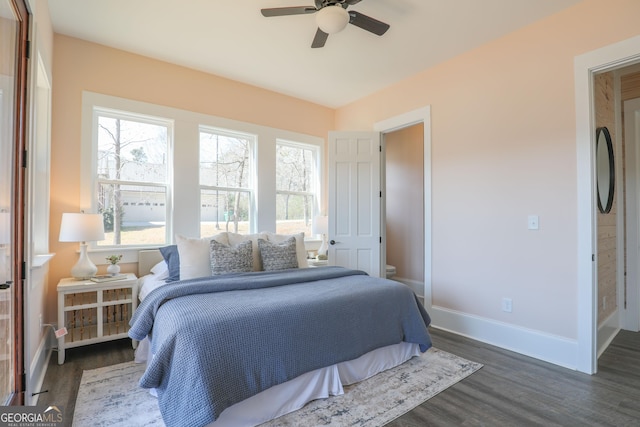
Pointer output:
x,y
332,19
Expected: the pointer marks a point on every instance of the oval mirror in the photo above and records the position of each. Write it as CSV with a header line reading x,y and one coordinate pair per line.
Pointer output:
x,y
605,170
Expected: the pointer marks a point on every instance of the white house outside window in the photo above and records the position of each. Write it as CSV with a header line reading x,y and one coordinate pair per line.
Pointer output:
x,y
226,169
297,179
132,175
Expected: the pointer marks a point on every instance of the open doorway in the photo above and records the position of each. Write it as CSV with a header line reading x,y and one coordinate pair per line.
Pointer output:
x,y
617,241
406,123
403,218
609,58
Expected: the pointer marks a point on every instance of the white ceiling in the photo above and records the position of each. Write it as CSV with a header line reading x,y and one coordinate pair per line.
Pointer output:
x,y
232,39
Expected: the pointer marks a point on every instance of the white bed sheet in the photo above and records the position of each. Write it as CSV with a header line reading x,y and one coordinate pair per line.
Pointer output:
x,y
294,394
148,283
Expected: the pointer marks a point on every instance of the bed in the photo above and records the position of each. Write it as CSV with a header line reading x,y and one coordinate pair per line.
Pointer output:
x,y
242,348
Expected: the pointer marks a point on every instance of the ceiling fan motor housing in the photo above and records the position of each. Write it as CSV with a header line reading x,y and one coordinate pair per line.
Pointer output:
x,y
331,17
343,3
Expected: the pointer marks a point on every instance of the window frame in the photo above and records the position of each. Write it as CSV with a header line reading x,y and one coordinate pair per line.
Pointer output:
x,y
251,174
184,201
315,193
115,113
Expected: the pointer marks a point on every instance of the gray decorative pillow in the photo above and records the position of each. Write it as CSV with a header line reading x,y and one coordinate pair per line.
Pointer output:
x,y
278,256
227,259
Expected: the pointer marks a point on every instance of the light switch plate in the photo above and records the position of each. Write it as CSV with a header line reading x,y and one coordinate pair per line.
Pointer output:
x,y
533,222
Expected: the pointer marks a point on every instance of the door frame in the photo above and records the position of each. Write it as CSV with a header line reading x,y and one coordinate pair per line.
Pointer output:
x,y
607,58
23,19
420,115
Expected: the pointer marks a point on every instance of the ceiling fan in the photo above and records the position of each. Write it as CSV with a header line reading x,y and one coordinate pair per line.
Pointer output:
x,y
331,16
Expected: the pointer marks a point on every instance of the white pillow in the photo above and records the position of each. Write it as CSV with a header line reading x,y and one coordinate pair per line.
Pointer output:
x,y
301,250
194,255
235,239
160,268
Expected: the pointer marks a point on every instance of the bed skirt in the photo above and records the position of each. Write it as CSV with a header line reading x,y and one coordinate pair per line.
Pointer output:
x,y
294,394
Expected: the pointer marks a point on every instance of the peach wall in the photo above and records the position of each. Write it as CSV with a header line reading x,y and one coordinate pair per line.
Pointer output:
x,y
504,147
83,66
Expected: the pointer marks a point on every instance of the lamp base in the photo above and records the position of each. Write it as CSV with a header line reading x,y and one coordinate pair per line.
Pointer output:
x,y
84,268
324,247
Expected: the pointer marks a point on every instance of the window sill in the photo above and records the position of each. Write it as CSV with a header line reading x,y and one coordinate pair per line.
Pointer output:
x,y
41,260
129,254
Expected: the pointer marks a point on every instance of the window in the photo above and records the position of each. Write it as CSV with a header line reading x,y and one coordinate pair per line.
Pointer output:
x,y
156,171
225,181
297,180
132,177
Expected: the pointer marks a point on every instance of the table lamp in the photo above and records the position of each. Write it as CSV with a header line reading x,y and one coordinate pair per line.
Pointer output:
x,y
82,227
321,226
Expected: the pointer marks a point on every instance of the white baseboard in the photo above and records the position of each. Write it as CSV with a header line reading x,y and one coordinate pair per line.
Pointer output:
x,y
37,371
607,331
549,348
416,286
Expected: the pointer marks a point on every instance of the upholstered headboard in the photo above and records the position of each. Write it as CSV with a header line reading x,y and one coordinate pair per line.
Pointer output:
x,y
147,258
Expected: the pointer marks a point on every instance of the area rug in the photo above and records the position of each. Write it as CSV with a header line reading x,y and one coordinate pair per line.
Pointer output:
x,y
110,396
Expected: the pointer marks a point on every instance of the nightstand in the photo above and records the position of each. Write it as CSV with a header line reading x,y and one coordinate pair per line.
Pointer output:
x,y
95,312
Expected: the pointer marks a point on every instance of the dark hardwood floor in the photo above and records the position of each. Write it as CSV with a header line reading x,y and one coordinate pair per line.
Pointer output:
x,y
61,382
510,390
515,390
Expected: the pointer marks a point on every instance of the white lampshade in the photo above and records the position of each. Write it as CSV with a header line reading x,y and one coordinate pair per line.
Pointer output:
x,y
81,227
332,19
320,225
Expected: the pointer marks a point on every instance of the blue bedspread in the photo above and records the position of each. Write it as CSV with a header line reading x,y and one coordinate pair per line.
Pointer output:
x,y
219,340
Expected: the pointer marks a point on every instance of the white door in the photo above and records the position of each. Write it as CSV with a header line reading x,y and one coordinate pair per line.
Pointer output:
x,y
631,310
354,201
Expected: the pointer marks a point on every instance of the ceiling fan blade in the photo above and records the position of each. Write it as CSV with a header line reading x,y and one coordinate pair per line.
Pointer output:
x,y
368,23
320,39
284,11
352,2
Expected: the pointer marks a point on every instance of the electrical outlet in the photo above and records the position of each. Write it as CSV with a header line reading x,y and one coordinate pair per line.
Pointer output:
x,y
507,305
604,302
40,320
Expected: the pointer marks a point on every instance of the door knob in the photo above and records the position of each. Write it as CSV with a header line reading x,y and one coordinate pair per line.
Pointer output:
x,y
6,285
332,242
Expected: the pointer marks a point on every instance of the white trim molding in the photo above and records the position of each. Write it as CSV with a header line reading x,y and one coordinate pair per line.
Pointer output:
x,y
607,331
547,347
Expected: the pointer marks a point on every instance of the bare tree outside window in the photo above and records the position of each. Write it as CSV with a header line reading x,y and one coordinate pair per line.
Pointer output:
x,y
225,187
296,183
132,179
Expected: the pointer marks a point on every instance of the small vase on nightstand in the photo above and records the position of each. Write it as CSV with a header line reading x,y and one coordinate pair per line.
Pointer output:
x,y
113,269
